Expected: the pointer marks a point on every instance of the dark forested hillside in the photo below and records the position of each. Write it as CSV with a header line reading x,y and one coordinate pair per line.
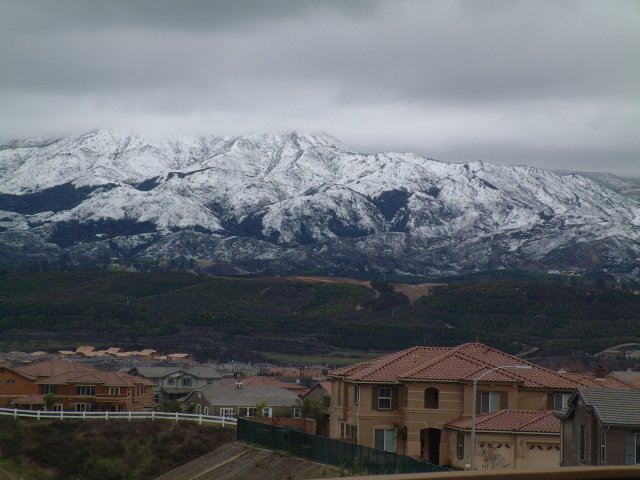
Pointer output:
x,y
222,317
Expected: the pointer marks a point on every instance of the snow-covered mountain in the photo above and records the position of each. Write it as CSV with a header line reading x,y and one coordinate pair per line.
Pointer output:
x,y
300,201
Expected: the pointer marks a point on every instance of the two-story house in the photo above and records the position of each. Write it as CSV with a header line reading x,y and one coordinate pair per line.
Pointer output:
x,y
173,383
403,401
73,387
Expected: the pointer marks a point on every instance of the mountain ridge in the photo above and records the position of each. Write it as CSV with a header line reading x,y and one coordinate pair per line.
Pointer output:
x,y
282,201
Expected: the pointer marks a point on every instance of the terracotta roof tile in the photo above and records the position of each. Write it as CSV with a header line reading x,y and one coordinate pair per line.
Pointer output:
x,y
526,421
462,363
49,368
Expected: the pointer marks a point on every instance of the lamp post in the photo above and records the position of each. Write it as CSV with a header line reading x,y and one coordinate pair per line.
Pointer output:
x,y
473,406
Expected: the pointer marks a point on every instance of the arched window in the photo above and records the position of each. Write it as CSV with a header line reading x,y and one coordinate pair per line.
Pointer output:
x,y
431,398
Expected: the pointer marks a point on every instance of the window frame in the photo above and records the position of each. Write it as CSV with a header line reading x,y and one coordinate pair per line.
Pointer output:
x,y
603,446
387,447
356,395
432,403
489,394
227,412
385,398
114,391
85,390
564,400
49,389
460,445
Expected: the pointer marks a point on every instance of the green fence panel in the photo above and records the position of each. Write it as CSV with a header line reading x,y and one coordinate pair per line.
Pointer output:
x,y
329,450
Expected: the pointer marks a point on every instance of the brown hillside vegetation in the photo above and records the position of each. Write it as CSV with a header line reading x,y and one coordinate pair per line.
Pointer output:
x,y
113,450
237,461
412,291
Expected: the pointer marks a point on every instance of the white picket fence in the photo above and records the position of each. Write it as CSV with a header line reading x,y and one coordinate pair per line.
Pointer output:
x,y
64,415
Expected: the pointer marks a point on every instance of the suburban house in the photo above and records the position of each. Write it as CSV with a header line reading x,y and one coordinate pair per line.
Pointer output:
x,y
601,427
73,387
507,439
404,401
14,384
234,399
173,383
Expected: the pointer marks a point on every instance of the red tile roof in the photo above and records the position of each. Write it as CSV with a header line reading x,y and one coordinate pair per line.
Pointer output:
x,y
49,368
95,377
525,421
458,364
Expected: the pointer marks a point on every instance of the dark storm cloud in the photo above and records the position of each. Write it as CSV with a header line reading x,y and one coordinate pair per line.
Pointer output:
x,y
505,81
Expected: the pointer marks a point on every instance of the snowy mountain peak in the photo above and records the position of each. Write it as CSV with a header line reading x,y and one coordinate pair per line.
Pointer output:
x,y
276,200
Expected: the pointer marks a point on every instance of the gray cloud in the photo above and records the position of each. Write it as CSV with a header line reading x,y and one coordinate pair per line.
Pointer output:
x,y
540,82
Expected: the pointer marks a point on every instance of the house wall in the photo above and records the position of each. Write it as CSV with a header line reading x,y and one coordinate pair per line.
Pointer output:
x,y
455,401
14,385
507,451
571,439
615,446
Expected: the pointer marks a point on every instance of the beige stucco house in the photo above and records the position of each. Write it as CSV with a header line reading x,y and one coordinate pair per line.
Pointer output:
x,y
402,402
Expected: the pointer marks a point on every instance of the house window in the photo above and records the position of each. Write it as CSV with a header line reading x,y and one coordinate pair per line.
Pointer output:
x,y
49,389
431,398
385,439
156,397
186,382
492,401
342,429
226,412
267,412
356,396
460,445
353,432
57,407
560,400
171,381
114,390
583,443
81,407
603,446
85,390
198,409
384,398
205,411
11,381
297,412
209,381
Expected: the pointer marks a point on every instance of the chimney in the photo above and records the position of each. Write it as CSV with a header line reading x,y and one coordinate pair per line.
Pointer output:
x,y
600,373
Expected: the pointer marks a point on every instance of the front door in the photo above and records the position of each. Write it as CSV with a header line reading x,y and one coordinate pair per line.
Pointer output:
x,y
430,445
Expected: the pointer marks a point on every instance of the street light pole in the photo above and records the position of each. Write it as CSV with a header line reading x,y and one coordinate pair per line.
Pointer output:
x,y
473,407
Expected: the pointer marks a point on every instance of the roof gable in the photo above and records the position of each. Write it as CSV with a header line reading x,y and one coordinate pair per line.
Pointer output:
x,y
612,407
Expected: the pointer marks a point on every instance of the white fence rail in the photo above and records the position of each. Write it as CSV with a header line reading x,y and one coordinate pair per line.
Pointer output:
x,y
64,415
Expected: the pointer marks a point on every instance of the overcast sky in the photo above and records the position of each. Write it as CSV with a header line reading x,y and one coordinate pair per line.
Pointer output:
x,y
554,84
